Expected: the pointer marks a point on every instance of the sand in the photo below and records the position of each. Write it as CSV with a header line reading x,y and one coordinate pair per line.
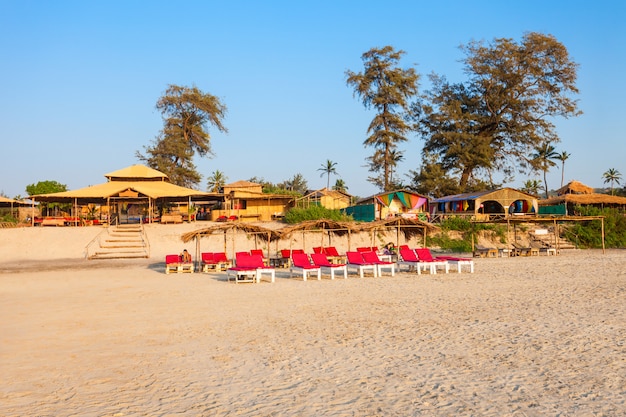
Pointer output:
x,y
540,336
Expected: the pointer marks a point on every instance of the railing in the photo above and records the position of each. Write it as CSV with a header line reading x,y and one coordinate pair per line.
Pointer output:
x,y
89,248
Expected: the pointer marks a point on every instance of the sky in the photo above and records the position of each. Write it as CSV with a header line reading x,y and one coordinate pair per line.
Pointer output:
x,y
79,81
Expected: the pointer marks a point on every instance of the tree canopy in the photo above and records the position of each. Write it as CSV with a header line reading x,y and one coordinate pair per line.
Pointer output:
x,y
505,109
186,113
389,90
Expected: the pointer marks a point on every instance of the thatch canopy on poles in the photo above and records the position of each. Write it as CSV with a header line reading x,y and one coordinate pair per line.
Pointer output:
x,y
326,226
231,228
408,227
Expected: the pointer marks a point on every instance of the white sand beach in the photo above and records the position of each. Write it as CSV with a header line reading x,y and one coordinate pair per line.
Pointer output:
x,y
525,336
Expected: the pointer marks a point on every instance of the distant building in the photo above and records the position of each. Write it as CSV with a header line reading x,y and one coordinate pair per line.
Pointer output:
x,y
246,201
329,199
403,203
485,205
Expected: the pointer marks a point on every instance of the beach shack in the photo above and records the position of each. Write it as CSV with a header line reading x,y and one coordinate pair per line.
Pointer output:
x,y
390,204
578,194
246,201
485,205
330,199
133,194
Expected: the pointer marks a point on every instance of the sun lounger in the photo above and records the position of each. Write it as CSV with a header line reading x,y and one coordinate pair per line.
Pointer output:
x,y
321,260
483,252
425,253
172,263
207,262
301,262
222,260
519,250
356,262
372,257
250,268
410,259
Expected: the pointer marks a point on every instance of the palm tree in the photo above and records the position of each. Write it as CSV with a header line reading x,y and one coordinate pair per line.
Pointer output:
x,y
340,185
532,187
563,157
542,160
327,169
612,176
216,181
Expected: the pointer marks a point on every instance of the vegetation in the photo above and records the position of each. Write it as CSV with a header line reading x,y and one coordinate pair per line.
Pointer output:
x,y
216,182
314,212
327,168
48,187
388,89
467,231
563,156
505,109
543,160
589,234
612,176
186,112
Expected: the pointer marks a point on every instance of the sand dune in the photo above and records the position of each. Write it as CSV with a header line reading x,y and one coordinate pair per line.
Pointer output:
x,y
520,337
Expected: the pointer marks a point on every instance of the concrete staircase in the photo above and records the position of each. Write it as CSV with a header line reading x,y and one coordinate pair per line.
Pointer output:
x,y
123,241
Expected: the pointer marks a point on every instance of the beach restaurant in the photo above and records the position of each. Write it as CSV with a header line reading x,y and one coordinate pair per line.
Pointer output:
x,y
133,194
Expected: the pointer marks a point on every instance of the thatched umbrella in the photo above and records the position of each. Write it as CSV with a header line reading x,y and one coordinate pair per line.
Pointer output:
x,y
332,227
408,227
233,228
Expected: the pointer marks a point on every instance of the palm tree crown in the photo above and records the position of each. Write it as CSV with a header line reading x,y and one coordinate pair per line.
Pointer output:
x,y
328,168
612,176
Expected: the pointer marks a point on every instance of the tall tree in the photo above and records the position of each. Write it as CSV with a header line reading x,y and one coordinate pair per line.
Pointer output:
x,y
506,108
186,112
327,168
563,156
543,159
216,181
389,90
297,184
613,176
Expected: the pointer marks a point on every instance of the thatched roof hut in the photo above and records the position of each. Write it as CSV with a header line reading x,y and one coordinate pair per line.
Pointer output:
x,y
574,187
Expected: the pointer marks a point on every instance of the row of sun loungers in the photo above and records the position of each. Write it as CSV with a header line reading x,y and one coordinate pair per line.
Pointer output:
x,y
252,266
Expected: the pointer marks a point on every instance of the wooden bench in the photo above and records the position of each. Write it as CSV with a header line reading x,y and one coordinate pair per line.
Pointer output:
x,y
171,218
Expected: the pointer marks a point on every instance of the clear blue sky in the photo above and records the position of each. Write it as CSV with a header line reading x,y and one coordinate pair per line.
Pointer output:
x,y
80,80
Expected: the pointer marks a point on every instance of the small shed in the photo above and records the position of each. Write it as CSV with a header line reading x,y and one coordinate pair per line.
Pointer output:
x,y
330,199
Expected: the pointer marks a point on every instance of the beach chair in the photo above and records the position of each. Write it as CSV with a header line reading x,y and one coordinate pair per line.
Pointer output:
x,y
356,262
372,257
249,268
186,266
172,263
321,260
425,254
483,252
207,262
410,259
301,262
222,260
333,255
260,252
519,250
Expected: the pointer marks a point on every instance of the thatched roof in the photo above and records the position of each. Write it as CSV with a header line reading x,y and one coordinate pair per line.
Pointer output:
x,y
574,187
583,199
332,226
136,172
409,227
262,232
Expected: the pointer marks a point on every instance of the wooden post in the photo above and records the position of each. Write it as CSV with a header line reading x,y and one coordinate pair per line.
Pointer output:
x,y
603,249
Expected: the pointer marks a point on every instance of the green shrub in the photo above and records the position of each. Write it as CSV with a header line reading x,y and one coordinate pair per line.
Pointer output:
x,y
589,234
297,215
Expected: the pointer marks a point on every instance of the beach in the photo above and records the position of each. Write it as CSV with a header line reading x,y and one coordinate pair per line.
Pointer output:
x,y
524,336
